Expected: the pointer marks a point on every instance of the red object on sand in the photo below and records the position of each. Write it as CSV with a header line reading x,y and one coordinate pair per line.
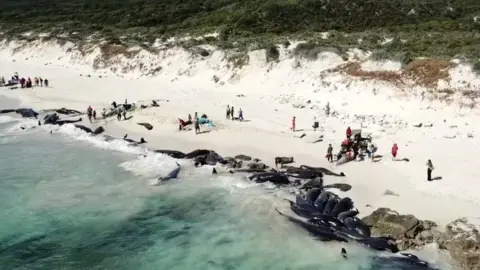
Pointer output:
x,y
394,150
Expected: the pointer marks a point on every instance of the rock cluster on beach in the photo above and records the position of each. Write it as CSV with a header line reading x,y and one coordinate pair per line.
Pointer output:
x,y
460,238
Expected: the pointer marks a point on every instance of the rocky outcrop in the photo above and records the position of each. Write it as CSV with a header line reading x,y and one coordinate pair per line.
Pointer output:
x,y
462,240
460,237
408,231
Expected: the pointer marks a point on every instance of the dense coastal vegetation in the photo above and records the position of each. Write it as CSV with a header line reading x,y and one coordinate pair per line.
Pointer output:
x,y
393,29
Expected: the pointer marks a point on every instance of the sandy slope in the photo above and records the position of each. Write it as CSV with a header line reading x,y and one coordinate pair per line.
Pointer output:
x,y
267,133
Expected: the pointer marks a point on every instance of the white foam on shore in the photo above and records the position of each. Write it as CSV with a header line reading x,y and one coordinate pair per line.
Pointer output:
x,y
6,119
97,141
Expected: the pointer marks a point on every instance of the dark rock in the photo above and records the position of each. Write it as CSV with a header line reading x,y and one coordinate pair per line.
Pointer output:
x,y
213,157
243,157
257,166
233,163
462,240
403,228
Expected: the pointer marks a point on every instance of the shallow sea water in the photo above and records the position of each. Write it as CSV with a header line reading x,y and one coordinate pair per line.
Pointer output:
x,y
72,202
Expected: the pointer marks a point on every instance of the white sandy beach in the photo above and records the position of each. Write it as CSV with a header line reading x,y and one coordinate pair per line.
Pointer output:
x,y
267,105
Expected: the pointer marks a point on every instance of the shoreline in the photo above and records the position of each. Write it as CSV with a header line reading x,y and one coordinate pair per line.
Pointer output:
x,y
267,136
279,198
367,195
116,130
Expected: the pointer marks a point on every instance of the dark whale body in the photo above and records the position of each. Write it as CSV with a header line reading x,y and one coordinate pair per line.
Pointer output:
x,y
273,177
171,153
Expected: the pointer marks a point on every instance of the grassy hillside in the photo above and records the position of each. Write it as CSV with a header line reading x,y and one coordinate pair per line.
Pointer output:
x,y
419,27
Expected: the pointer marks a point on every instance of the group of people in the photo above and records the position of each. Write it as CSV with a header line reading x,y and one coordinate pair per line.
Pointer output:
x,y
230,114
91,113
24,82
352,148
196,121
121,110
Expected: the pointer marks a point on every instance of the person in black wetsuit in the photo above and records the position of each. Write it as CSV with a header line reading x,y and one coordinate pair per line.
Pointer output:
x,y
344,253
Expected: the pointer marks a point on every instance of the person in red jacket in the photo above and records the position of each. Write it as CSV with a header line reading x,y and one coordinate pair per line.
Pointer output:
x,y
349,132
394,150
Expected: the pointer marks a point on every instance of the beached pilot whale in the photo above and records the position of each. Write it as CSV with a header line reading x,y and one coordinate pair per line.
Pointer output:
x,y
7,111
171,153
322,233
171,175
133,142
27,113
67,111
283,160
321,170
62,122
196,153
53,119
273,177
97,131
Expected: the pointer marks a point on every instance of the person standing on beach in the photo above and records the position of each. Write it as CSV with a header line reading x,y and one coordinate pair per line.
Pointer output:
x,y
41,81
228,112
315,124
372,149
240,114
394,151
429,170
89,113
197,125
349,132
46,82
94,115
293,124
119,114
232,111
104,113
124,111
330,153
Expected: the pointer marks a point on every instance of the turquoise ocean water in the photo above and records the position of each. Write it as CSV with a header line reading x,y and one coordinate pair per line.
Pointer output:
x,y
72,202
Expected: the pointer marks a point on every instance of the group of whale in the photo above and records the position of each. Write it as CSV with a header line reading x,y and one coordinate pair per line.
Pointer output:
x,y
322,213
